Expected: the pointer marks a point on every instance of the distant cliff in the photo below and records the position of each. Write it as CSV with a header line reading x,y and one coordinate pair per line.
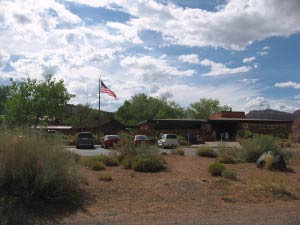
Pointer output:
x,y
272,115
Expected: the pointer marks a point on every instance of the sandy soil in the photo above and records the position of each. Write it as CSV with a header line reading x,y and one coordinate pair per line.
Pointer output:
x,y
186,194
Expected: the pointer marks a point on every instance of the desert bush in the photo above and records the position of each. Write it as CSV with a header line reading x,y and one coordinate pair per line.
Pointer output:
x,y
93,163
216,168
125,146
182,140
228,174
245,134
227,155
254,147
110,160
294,138
147,164
104,177
127,162
179,151
35,167
276,186
206,151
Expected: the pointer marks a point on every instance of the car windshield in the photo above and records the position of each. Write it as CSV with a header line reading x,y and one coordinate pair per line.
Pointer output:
x,y
173,136
141,137
85,135
113,137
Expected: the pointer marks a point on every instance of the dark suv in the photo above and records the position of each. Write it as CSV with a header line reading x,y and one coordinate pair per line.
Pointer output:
x,y
85,140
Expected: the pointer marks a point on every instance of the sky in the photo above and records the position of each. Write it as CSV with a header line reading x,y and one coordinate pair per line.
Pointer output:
x,y
245,53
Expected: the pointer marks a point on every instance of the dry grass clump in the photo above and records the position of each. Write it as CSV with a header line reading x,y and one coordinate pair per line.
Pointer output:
x,y
275,186
229,175
35,167
206,151
104,177
179,151
93,163
227,155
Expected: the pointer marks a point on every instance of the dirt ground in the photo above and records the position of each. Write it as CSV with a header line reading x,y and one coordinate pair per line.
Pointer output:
x,y
186,193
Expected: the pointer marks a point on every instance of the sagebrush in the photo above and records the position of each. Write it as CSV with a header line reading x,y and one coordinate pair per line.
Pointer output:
x,y
33,166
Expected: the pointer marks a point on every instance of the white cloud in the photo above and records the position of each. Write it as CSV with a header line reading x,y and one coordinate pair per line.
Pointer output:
x,y
262,53
222,28
218,69
288,84
257,103
4,58
261,103
149,68
248,81
250,59
192,59
297,97
266,47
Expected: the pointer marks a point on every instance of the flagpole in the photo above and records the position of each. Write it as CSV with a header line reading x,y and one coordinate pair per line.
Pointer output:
x,y
99,110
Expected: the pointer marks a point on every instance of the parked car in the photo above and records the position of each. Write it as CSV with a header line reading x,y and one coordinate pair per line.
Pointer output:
x,y
85,140
110,140
141,139
168,141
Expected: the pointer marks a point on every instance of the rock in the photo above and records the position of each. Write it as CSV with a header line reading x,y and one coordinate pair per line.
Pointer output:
x,y
278,163
269,160
265,160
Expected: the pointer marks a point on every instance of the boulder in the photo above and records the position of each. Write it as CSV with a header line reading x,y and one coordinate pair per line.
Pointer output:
x,y
270,160
278,163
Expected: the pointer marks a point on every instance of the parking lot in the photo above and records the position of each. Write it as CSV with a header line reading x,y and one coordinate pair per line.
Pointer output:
x,y
189,151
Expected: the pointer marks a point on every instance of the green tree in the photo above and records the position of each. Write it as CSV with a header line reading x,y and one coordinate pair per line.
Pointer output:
x,y
142,107
31,101
4,92
203,108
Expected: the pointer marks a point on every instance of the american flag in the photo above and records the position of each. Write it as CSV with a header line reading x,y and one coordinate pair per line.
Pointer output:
x,y
106,90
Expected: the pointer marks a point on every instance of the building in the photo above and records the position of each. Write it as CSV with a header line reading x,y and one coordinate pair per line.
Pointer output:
x,y
194,130
228,124
225,125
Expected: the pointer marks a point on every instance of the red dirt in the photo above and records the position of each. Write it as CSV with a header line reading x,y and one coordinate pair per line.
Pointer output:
x,y
187,194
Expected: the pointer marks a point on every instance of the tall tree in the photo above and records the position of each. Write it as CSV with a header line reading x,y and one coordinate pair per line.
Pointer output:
x,y
4,92
203,108
31,101
142,107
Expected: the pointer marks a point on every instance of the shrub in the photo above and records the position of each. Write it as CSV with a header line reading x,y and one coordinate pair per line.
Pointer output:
x,y
254,147
227,155
93,163
147,164
206,151
34,167
182,140
216,168
110,160
245,134
105,177
125,146
228,174
179,151
127,162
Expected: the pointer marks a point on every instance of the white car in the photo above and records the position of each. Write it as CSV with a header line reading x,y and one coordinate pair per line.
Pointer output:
x,y
168,141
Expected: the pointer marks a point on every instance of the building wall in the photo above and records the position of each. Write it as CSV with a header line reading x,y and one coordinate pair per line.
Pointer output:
x,y
282,129
228,114
296,127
